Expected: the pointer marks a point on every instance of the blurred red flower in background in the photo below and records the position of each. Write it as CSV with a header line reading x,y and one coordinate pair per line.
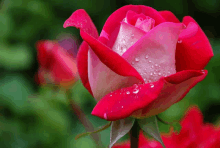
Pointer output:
x,y
194,134
56,65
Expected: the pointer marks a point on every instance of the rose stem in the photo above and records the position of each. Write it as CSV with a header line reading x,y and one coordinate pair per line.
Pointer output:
x,y
82,118
134,135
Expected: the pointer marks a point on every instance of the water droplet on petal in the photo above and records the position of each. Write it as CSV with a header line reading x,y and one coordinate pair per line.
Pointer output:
x,y
180,41
128,92
184,26
151,73
156,65
149,61
159,74
122,106
146,56
135,91
136,59
105,116
151,85
203,71
111,95
132,63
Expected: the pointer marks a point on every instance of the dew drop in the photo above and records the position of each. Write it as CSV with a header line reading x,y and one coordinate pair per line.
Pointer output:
x,y
151,73
132,63
105,116
146,56
152,66
111,95
156,65
136,59
180,41
155,73
123,41
184,26
159,74
203,71
128,92
149,61
152,86
122,106
135,91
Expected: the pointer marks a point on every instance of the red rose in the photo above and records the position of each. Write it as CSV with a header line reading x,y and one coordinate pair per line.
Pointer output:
x,y
56,65
143,61
194,134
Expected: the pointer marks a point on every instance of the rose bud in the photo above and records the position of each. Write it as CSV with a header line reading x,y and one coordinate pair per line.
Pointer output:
x,y
143,61
56,65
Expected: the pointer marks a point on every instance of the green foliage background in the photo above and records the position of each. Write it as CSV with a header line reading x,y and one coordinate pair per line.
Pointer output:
x,y
41,117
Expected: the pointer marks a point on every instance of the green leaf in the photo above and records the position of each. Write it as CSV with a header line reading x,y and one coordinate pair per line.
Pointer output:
x,y
119,128
149,125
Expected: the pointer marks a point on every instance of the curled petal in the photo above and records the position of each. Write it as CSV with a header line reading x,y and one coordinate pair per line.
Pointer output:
x,y
175,88
123,102
190,31
80,19
195,52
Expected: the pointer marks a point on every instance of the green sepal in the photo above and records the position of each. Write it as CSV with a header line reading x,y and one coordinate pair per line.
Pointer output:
x,y
89,133
149,125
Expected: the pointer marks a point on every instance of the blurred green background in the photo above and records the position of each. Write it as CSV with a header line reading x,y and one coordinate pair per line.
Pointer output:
x,y
31,116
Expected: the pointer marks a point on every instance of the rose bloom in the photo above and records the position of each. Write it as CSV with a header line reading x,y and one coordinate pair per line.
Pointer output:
x,y
142,62
56,66
194,134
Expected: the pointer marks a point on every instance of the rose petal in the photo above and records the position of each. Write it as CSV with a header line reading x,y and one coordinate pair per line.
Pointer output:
x,y
132,17
175,88
44,54
153,55
64,66
190,31
81,19
169,16
146,25
82,65
127,36
112,24
105,80
111,59
193,53
123,102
